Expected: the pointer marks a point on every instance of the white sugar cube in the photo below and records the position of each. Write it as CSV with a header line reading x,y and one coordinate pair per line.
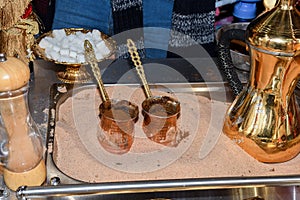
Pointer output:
x,y
69,60
45,43
61,59
58,34
80,48
52,54
80,58
64,52
96,34
73,54
71,37
74,47
80,35
70,48
102,48
88,35
48,53
65,43
56,48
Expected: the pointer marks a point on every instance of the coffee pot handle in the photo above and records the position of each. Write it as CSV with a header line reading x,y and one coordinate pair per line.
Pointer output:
x,y
225,59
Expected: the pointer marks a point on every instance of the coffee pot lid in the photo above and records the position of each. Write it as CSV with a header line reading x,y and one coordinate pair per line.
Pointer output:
x,y
14,73
277,30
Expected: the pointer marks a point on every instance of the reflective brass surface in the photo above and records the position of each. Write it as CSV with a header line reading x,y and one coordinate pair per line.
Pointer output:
x,y
117,117
277,30
75,73
91,59
264,118
135,58
160,112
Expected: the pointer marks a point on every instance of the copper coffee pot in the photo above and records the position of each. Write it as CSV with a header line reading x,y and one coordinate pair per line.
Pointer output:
x,y
117,117
160,112
264,117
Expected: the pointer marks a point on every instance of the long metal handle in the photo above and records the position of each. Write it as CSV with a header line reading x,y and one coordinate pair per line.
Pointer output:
x,y
138,66
154,186
91,59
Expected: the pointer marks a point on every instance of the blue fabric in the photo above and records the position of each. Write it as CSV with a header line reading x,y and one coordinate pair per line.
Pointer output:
x,y
157,14
97,14
89,14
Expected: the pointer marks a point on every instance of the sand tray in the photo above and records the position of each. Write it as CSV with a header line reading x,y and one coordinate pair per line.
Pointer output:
x,y
76,152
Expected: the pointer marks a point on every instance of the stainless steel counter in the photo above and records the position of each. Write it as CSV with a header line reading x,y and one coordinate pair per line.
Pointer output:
x,y
195,71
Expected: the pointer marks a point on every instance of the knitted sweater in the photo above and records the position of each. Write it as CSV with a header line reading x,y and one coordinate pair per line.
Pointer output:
x,y
160,28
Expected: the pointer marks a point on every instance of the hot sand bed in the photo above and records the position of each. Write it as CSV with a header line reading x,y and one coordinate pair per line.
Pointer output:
x,y
78,153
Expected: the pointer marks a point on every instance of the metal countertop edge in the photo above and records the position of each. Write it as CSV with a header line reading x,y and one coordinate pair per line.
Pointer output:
x,y
156,186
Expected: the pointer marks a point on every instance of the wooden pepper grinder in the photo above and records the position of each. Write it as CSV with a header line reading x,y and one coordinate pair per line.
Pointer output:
x,y
24,163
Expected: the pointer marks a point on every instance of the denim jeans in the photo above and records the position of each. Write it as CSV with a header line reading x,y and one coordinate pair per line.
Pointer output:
x,y
158,17
89,14
97,14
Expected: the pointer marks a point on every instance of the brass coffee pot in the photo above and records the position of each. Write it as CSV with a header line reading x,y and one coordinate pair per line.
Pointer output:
x,y
264,118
